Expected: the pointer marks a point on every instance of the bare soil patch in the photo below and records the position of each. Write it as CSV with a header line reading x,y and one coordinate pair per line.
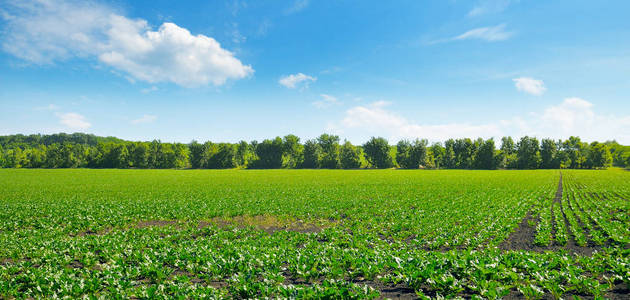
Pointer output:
x,y
92,232
155,223
267,223
75,264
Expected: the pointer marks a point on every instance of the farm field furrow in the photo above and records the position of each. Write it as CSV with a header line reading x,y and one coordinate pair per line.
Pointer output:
x,y
314,233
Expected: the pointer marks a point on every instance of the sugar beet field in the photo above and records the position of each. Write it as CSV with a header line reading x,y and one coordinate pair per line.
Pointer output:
x,y
314,234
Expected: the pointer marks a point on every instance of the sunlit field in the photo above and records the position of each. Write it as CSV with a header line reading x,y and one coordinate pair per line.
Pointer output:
x,y
314,233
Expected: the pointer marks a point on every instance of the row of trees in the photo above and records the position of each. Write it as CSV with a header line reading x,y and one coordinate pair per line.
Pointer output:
x,y
83,150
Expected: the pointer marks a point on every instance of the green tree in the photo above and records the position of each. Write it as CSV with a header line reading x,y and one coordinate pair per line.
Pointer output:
x,y
244,154
350,156
182,156
269,154
411,155
312,154
36,157
377,153
576,152
449,154
549,154
139,155
438,154
329,145
197,155
599,156
485,156
293,152
223,156
464,150
528,153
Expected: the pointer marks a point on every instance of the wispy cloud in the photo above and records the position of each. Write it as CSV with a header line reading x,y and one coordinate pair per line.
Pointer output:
x,y
326,101
490,34
149,90
48,107
144,119
489,7
45,32
297,6
530,85
73,121
296,80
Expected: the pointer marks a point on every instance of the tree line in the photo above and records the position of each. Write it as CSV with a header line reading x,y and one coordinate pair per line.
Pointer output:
x,y
80,150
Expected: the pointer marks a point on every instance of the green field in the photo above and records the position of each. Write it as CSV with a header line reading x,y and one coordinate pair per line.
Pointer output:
x,y
314,233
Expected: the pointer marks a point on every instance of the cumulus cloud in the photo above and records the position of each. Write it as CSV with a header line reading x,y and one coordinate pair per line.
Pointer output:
x,y
572,116
144,119
489,7
375,119
73,121
530,85
490,34
296,80
326,101
43,32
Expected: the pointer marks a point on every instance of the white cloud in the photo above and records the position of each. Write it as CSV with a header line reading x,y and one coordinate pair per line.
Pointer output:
x,y
374,119
490,34
296,80
530,85
573,116
73,121
489,7
43,32
326,101
144,119
298,5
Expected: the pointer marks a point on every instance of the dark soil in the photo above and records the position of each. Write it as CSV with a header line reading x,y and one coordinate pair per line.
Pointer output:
x,y
523,237
75,264
619,291
399,291
91,232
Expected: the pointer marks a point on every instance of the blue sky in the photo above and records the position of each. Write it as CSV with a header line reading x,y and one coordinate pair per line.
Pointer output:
x,y
245,70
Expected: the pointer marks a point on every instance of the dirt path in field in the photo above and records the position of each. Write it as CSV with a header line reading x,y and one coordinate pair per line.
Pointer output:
x,y
523,237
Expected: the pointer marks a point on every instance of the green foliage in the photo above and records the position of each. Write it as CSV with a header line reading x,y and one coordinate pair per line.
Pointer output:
x,y
599,156
329,145
438,155
268,154
312,155
293,153
485,156
528,154
377,153
412,155
549,154
83,150
350,156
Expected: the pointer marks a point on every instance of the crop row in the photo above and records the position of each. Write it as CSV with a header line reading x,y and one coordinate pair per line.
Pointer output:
x,y
300,234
